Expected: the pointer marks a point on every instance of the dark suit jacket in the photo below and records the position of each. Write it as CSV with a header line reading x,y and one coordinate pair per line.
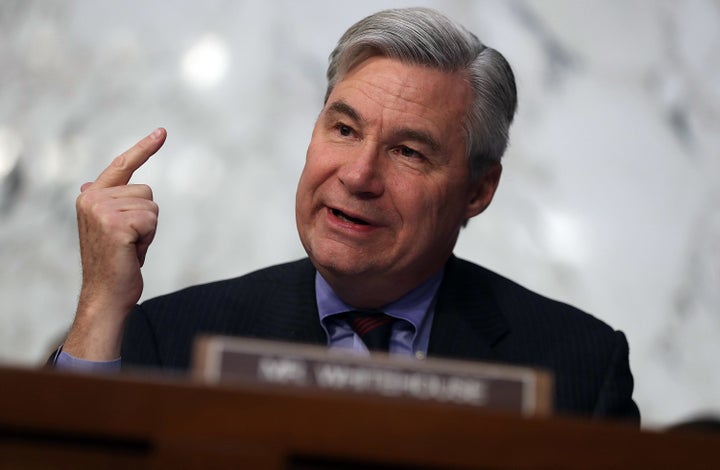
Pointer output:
x,y
479,315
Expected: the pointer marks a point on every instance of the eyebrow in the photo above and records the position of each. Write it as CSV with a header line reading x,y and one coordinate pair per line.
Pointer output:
x,y
404,133
341,107
418,136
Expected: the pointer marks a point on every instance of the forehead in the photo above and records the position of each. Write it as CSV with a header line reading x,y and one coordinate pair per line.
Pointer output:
x,y
411,92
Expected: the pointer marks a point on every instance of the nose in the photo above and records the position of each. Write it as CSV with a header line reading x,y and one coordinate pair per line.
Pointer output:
x,y
362,172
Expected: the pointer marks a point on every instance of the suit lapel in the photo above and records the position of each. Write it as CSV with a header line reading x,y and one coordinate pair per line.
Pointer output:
x,y
291,313
468,321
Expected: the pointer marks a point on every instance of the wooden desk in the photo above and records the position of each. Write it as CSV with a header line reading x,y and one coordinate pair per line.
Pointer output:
x,y
57,420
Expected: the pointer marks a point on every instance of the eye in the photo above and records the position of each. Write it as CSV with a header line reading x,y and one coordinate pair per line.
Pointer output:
x,y
408,152
344,130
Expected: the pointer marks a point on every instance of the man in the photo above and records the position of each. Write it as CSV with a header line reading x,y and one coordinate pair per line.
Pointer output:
x,y
406,150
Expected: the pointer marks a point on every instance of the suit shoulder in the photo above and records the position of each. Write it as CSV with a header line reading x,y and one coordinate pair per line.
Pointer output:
x,y
256,282
522,306
588,358
160,331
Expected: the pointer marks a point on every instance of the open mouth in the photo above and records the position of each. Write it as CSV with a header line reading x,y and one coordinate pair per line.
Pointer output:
x,y
341,215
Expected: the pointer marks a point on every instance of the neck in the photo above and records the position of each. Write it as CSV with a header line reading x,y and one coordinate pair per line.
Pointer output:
x,y
371,291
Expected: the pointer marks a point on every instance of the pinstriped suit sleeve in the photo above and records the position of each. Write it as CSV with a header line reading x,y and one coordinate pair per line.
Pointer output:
x,y
614,399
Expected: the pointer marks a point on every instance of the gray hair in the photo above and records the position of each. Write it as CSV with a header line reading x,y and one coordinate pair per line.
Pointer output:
x,y
426,37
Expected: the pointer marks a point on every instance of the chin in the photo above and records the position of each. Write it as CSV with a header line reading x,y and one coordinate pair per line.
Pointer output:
x,y
343,265
340,268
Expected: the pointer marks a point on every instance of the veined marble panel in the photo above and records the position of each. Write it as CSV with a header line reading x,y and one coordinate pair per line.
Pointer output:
x,y
609,201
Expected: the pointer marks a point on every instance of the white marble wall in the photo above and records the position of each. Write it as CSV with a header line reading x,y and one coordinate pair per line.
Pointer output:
x,y
610,197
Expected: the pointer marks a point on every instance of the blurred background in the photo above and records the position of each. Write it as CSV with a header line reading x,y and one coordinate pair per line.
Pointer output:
x,y
610,198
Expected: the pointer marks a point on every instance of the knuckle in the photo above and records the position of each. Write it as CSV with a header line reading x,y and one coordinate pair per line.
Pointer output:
x,y
83,201
89,201
119,162
107,221
153,220
152,215
147,191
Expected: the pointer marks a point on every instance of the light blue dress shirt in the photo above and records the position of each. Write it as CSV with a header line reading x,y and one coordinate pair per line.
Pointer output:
x,y
409,337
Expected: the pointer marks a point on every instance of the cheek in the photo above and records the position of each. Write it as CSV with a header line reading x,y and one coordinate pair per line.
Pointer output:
x,y
431,209
304,192
319,162
317,171
417,205
310,170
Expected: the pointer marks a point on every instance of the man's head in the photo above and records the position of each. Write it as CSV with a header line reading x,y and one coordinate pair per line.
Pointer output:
x,y
423,36
405,150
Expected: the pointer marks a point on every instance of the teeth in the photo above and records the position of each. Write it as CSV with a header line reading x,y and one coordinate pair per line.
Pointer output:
x,y
344,216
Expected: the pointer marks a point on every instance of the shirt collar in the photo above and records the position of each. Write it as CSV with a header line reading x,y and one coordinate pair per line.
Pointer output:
x,y
412,307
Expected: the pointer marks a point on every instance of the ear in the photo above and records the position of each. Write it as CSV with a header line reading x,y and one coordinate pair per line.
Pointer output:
x,y
483,190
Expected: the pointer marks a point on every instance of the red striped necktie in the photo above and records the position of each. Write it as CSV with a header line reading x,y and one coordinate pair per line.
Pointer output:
x,y
373,328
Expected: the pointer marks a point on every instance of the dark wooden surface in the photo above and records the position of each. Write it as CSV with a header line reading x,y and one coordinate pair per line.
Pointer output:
x,y
55,420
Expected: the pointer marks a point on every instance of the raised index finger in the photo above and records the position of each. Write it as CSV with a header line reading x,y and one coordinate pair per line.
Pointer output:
x,y
121,169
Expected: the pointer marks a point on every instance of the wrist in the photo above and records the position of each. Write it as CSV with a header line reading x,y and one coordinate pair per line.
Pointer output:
x,y
96,333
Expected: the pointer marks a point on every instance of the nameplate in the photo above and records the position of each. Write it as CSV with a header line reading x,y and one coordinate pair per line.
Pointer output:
x,y
221,359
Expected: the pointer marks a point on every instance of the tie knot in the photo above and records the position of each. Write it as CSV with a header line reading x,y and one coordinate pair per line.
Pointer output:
x,y
373,328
